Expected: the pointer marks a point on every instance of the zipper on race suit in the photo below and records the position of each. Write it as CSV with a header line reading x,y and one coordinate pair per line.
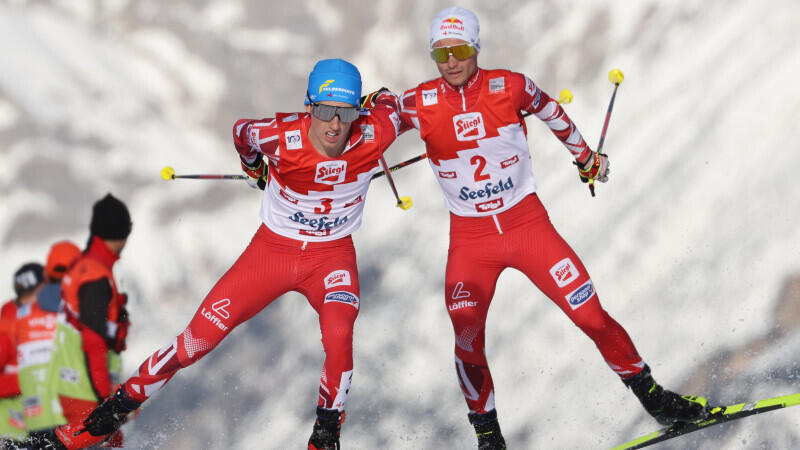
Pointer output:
x,y
464,108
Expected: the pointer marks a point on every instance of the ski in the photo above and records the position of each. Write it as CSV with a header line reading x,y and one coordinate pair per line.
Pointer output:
x,y
719,414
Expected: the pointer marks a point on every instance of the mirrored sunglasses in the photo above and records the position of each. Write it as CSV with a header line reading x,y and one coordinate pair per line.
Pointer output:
x,y
461,52
327,112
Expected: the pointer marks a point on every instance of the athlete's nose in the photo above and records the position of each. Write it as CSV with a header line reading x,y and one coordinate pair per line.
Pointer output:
x,y
336,123
452,61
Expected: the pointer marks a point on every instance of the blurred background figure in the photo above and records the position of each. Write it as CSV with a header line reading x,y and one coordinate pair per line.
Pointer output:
x,y
62,254
35,332
86,354
28,281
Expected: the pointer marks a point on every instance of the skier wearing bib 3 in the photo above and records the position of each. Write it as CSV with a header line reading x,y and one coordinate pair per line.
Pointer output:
x,y
472,124
321,161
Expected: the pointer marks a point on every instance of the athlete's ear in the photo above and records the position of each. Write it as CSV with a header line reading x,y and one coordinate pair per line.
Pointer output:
x,y
308,109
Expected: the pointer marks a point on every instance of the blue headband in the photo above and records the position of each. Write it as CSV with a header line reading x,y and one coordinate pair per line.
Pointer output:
x,y
334,80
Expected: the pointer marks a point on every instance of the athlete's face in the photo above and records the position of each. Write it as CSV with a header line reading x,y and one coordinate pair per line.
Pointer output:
x,y
329,137
454,71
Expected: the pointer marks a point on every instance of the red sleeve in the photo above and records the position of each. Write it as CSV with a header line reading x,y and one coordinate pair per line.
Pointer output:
x,y
408,108
8,317
7,350
9,382
386,112
529,98
9,385
251,137
96,352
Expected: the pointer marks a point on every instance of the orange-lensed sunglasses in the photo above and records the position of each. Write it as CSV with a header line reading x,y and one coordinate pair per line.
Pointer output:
x,y
461,52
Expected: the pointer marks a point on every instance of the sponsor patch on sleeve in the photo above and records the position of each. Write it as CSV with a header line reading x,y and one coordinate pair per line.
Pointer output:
x,y
368,131
530,88
497,85
293,140
342,297
430,97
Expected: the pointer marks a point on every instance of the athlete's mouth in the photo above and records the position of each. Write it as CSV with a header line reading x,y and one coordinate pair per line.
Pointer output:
x,y
331,136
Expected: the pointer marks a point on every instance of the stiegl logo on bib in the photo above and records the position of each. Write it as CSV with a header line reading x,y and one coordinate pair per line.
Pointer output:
x,y
469,126
330,172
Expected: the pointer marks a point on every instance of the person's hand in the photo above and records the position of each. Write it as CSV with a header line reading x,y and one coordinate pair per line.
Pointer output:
x,y
123,324
256,172
594,168
368,101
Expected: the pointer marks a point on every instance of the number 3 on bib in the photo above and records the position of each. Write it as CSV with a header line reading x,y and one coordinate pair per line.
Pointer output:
x,y
326,206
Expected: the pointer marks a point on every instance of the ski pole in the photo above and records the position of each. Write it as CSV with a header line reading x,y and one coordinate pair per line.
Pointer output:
x,y
565,97
400,165
402,202
615,76
168,173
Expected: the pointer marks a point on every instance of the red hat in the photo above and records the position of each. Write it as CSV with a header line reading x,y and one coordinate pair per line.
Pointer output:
x,y
61,255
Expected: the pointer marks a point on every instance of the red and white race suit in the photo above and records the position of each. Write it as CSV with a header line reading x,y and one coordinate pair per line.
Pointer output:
x,y
310,207
309,196
476,140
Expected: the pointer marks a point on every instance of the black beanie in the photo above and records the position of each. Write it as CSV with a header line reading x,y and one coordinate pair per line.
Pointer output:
x,y
27,277
110,219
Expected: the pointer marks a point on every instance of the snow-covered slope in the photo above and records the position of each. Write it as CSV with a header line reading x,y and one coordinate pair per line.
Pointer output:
x,y
688,243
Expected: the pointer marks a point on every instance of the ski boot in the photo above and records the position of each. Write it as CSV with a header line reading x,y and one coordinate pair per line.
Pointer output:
x,y
666,406
488,430
42,440
326,430
96,428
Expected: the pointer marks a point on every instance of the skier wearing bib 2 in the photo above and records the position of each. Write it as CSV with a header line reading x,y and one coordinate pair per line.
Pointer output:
x,y
320,164
472,124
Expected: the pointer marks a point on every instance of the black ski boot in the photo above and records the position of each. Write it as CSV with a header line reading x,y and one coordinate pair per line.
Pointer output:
x,y
488,430
666,406
326,430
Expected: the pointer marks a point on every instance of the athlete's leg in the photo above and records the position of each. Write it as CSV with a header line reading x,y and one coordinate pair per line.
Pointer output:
x,y
332,288
551,264
470,281
261,274
562,277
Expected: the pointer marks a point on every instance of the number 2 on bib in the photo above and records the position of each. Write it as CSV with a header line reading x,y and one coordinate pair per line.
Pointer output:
x,y
480,162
